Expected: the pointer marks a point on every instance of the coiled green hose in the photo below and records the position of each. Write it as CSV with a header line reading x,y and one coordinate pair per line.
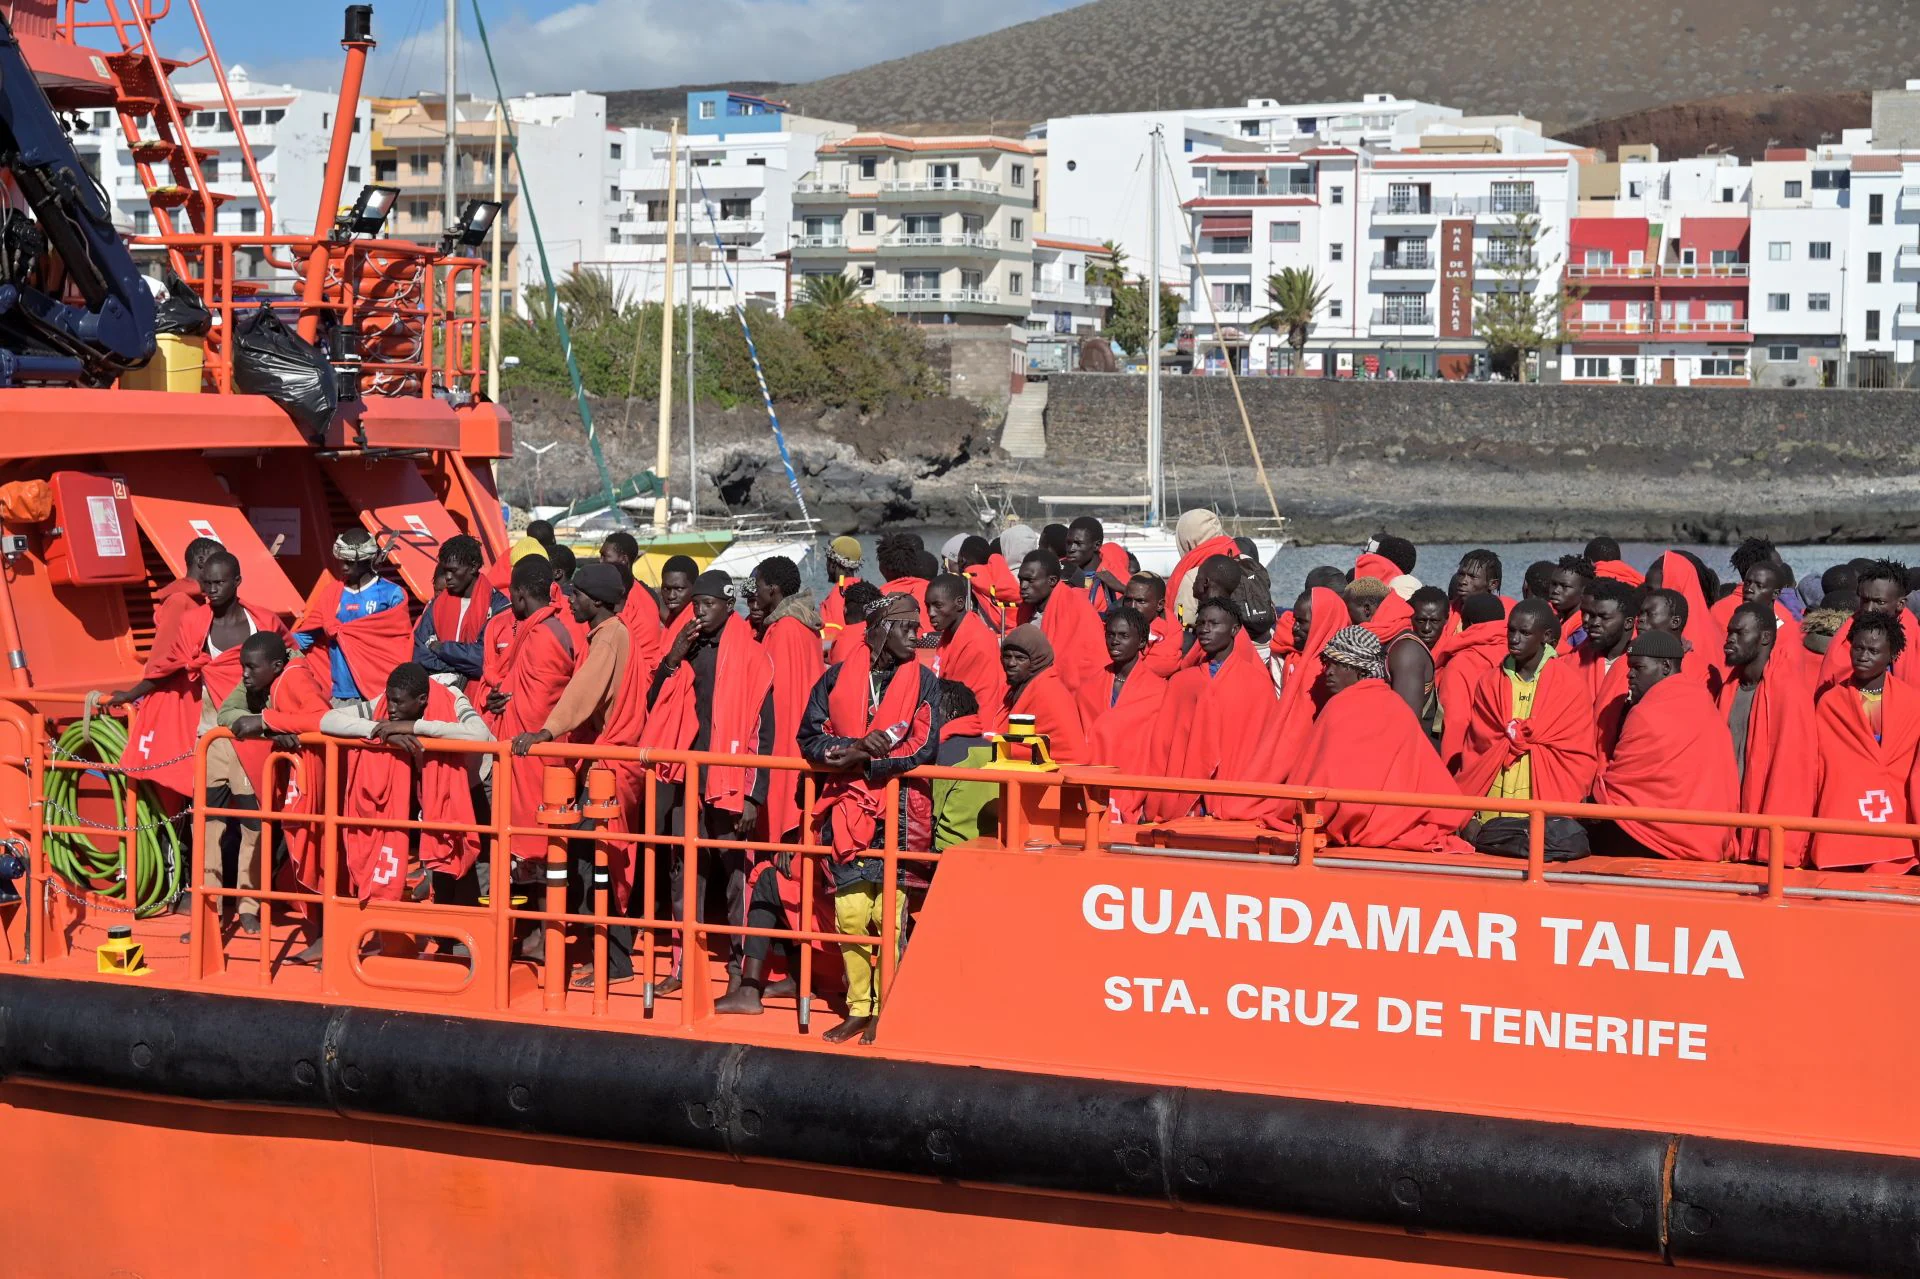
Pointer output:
x,y
158,854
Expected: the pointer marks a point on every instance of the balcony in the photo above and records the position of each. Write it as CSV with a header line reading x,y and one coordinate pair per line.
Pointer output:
x,y
943,244
1609,328
1907,318
921,301
819,244
819,192
1071,293
1705,330
1404,263
1404,321
727,226
1610,272
1525,265
1908,259
1211,251
1402,208
946,191
1394,208
1731,274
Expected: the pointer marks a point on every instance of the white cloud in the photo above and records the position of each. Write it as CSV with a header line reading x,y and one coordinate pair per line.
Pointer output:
x,y
613,44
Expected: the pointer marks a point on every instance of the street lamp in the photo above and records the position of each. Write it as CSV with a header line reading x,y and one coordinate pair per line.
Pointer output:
x,y
538,453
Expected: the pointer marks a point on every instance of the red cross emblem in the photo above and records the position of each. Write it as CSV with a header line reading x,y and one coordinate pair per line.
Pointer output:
x,y
1876,806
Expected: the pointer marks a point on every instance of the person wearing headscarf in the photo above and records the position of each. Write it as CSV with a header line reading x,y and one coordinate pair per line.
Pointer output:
x,y
844,558
1365,738
1198,536
996,592
1035,688
355,629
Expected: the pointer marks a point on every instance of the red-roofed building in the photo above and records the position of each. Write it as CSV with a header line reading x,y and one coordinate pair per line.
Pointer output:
x,y
1658,304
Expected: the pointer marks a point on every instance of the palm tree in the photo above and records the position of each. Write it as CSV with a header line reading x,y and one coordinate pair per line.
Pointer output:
x,y
1295,296
829,292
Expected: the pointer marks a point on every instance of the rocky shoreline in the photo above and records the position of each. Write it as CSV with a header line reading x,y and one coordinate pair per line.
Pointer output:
x,y
931,463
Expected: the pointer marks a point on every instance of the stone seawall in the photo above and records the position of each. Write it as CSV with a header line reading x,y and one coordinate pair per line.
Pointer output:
x,y
1650,431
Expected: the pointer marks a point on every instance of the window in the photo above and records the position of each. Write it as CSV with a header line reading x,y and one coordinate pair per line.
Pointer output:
x,y
736,210
101,119
353,175
1283,233
1233,297
756,161
1714,366
1336,309
1873,326
613,150
1513,197
1724,257
922,224
1629,368
418,210
1017,175
1819,301
1726,195
866,277
1719,312
1405,308
1016,283
1592,312
1336,195
1227,244
1599,257
210,168
1635,190
1073,271
923,281
1017,229
970,280
657,212
1832,179
418,165
1780,251
1591,366
1233,182
1249,128
1784,353
1820,250
249,220
203,120
1336,252
276,115
249,117
1873,268
1307,124
1779,302
869,166
707,110
1876,210
142,221
354,129
1792,190
866,221
386,171
972,224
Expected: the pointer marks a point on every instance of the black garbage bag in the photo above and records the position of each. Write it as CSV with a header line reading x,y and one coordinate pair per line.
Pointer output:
x,y
270,359
181,310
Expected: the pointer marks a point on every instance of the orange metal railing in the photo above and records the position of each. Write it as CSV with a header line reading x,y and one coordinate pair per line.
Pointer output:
x,y
1063,808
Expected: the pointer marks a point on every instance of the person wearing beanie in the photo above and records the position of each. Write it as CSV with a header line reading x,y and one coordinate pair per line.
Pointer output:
x,y
844,558
1365,737
1675,751
604,703
712,692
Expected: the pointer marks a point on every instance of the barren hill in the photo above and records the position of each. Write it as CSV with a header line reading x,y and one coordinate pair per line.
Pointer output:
x,y
1742,124
1562,62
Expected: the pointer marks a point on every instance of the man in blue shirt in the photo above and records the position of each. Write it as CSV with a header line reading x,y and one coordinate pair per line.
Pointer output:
x,y
362,594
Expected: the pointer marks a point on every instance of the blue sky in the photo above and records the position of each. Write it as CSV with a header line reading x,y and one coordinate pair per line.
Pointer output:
x,y
551,45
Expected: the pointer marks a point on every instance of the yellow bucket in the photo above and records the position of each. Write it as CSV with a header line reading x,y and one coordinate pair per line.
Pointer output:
x,y
176,366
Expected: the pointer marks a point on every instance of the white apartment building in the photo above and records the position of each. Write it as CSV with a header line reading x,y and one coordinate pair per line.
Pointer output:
x,y
569,162
1401,243
1097,165
937,230
1065,300
290,131
743,156
1801,232
1882,308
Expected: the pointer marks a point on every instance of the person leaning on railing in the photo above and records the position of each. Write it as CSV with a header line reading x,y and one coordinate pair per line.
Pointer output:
x,y
871,719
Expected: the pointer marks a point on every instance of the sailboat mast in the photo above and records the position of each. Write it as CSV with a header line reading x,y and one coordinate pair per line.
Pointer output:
x,y
693,472
1151,289
663,462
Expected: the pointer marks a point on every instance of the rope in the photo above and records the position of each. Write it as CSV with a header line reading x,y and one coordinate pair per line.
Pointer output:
x,y
159,852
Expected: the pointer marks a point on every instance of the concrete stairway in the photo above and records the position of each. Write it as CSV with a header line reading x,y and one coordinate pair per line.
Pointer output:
x,y
1025,433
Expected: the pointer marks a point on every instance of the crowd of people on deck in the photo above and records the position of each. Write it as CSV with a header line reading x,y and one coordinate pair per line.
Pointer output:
x,y
1762,694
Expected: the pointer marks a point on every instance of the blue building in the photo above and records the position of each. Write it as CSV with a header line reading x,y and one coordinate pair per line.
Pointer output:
x,y
719,112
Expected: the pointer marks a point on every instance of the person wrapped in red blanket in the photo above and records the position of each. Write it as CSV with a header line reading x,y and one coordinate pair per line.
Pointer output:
x,y
641,614
1882,589
1318,615
1768,702
1868,730
902,558
1604,554
1530,731
1367,738
1147,596
860,599
1219,722
1071,625
355,630
1198,536
844,557
1123,721
1608,617
1101,566
183,686
1461,661
1034,688
397,778
531,656
870,720
781,611
447,638
1675,751
963,648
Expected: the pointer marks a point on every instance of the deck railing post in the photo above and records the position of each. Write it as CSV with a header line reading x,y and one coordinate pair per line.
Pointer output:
x,y
558,811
